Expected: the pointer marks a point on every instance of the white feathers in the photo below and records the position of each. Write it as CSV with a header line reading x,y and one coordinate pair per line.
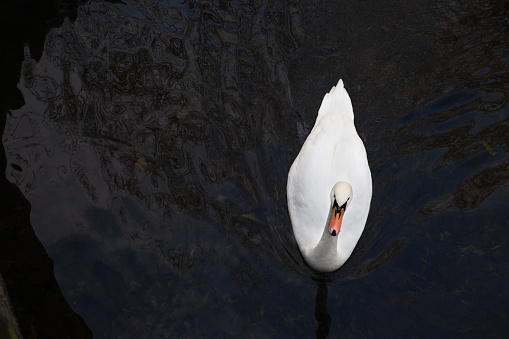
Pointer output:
x,y
332,152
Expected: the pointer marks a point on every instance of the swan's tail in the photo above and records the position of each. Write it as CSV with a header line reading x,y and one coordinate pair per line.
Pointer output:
x,y
336,101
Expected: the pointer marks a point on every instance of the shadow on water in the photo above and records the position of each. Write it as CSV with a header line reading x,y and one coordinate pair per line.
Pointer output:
x,y
156,137
322,316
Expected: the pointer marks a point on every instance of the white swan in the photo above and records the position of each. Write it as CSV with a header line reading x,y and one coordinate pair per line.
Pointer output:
x,y
329,186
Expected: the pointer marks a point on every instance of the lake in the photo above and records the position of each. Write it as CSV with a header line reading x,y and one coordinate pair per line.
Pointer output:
x,y
151,151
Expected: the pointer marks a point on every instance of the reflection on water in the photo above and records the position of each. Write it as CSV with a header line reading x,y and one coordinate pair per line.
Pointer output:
x,y
147,148
154,146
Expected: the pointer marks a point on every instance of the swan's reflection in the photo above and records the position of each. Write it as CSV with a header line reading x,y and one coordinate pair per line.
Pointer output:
x,y
322,316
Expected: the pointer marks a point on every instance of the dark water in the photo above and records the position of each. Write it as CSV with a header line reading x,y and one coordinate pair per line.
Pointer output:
x,y
156,137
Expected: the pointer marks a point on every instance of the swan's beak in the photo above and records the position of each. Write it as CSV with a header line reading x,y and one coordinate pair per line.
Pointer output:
x,y
336,220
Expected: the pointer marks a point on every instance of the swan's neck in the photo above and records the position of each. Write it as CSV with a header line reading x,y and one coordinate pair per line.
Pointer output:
x,y
324,257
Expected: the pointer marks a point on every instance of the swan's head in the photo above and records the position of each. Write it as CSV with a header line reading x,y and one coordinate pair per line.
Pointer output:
x,y
341,196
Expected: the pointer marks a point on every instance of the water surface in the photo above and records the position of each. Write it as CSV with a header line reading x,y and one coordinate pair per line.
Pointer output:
x,y
156,137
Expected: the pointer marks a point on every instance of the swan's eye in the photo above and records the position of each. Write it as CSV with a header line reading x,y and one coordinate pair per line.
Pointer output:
x,y
346,203
335,204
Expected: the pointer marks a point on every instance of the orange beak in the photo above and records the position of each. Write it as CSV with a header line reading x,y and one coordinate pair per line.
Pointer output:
x,y
336,220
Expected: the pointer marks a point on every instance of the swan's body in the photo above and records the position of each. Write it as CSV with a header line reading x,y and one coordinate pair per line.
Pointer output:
x,y
330,179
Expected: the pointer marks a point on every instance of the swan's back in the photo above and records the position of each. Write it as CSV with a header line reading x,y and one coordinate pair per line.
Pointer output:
x,y
332,152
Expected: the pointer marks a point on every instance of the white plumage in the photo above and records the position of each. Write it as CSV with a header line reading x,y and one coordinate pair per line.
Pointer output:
x,y
333,152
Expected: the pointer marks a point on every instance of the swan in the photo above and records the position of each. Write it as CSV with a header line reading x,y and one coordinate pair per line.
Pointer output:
x,y
329,186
